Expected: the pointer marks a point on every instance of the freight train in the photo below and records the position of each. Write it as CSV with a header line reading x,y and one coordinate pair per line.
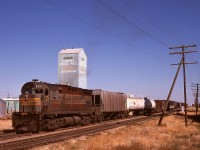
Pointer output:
x,y
45,106
172,105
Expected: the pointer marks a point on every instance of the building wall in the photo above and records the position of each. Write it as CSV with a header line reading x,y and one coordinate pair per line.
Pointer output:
x,y
12,104
68,69
2,108
72,68
82,70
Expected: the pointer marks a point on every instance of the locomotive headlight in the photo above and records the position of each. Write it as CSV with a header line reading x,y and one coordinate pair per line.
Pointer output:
x,y
26,97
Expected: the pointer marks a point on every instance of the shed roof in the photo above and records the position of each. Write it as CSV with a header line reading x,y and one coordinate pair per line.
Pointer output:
x,y
71,51
11,99
1,99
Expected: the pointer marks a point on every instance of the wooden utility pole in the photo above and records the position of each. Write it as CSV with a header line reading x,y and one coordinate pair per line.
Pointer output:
x,y
170,92
196,95
182,62
183,52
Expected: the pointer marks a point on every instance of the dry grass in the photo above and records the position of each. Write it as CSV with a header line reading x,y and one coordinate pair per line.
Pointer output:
x,y
171,135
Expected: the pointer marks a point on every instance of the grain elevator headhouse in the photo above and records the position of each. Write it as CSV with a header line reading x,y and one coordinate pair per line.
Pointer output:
x,y
72,67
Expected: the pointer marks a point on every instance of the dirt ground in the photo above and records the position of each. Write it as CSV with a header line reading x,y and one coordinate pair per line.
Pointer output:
x,y
6,124
171,135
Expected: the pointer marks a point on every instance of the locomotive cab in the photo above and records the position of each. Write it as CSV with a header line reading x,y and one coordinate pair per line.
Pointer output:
x,y
30,106
33,95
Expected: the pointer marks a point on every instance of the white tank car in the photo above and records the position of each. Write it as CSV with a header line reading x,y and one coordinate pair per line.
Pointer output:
x,y
153,104
135,105
150,105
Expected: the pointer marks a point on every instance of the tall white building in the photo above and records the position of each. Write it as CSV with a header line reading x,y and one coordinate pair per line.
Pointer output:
x,y
72,67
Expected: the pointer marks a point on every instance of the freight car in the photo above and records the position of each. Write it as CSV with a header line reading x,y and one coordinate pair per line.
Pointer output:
x,y
112,104
140,106
45,106
160,104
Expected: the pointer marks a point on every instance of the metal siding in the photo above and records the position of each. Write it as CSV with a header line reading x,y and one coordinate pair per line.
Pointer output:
x,y
178,104
2,108
70,104
159,104
113,102
68,69
172,104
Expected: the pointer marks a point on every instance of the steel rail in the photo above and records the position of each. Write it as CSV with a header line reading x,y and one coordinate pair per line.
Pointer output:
x,y
66,135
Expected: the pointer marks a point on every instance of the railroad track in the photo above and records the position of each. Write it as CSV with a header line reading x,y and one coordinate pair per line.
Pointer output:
x,y
7,136
68,134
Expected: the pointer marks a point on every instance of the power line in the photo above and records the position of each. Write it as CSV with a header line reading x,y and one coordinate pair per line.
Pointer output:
x,y
157,25
175,30
109,33
102,30
151,21
131,23
195,70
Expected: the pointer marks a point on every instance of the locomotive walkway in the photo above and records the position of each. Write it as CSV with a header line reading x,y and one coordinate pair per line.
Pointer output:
x,y
53,137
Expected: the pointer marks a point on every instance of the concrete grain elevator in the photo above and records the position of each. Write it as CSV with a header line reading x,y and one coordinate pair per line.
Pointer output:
x,y
72,67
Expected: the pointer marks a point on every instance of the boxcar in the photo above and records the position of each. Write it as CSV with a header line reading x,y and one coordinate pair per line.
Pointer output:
x,y
113,104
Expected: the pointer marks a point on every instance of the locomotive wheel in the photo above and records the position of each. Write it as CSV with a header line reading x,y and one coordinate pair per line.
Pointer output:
x,y
18,131
93,118
136,113
99,118
33,126
85,121
21,129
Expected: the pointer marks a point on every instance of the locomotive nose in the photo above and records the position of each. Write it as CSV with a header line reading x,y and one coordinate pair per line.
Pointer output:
x,y
30,103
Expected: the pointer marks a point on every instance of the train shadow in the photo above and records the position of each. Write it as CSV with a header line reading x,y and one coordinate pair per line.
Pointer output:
x,y
8,131
194,118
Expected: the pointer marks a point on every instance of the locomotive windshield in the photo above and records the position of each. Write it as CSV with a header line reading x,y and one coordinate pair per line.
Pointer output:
x,y
32,88
37,91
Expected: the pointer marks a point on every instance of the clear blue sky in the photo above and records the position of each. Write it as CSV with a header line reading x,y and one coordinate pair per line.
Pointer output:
x,y
127,43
